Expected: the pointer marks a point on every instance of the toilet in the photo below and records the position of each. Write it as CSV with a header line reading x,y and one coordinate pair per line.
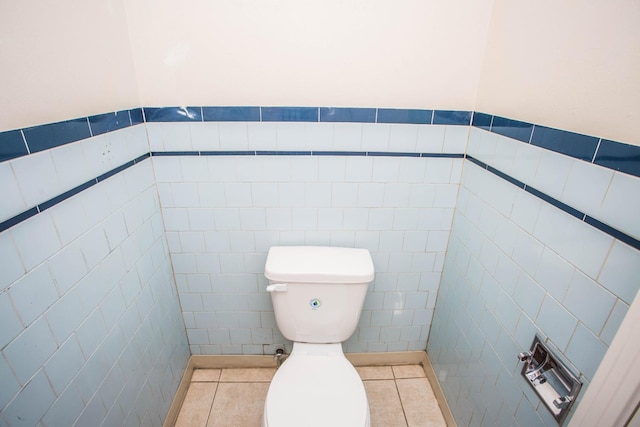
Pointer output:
x,y
317,294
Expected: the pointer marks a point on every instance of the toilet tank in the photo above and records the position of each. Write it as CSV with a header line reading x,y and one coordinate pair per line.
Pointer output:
x,y
317,291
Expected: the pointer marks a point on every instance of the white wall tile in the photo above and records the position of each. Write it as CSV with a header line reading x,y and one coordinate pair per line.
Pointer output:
x,y
233,136
33,294
37,177
359,169
403,137
303,169
291,136
347,136
204,136
553,171
319,136
30,349
430,138
455,139
262,135
36,239
194,169
375,137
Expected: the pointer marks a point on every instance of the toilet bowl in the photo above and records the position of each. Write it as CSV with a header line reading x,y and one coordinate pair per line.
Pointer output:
x,y
317,295
316,387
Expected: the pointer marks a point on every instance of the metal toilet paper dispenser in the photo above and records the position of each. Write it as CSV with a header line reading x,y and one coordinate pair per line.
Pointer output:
x,y
552,381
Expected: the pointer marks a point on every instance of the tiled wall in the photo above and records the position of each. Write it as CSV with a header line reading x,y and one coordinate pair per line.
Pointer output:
x,y
91,329
344,184
525,258
544,239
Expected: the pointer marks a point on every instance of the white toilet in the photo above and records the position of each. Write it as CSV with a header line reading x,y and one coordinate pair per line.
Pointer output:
x,y
317,294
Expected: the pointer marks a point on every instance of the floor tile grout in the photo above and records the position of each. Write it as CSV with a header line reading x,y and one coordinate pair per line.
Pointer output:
x,y
403,372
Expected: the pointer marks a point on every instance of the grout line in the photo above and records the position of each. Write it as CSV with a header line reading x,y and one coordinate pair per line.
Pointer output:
x,y
596,152
24,139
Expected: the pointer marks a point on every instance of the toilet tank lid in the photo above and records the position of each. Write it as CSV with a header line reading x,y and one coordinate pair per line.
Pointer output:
x,y
318,264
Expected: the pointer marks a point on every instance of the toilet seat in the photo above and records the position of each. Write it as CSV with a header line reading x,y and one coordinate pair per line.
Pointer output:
x,y
316,386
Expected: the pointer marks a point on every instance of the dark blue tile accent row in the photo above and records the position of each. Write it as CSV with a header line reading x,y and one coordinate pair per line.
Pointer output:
x,y
613,155
391,154
621,157
391,115
18,219
512,128
67,194
446,155
445,117
136,116
289,114
12,145
108,122
231,114
557,203
174,153
64,196
141,158
633,242
581,147
482,120
115,171
616,234
52,135
173,114
480,163
354,115
506,177
339,153
283,153
227,153
610,154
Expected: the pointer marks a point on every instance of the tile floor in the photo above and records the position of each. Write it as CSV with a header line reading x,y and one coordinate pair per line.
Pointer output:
x,y
398,396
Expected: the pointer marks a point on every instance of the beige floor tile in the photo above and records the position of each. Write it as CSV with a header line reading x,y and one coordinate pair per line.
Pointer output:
x,y
408,371
384,403
238,404
204,375
375,372
419,403
196,406
247,375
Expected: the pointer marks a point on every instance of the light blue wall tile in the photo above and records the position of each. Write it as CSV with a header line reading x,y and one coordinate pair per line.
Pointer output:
x,y
31,403
11,325
10,386
556,322
64,364
586,351
589,302
27,353
529,295
620,272
613,322
65,409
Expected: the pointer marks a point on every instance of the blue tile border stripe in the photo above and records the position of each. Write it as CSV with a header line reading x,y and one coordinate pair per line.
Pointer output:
x,y
614,155
560,205
610,154
617,234
67,194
